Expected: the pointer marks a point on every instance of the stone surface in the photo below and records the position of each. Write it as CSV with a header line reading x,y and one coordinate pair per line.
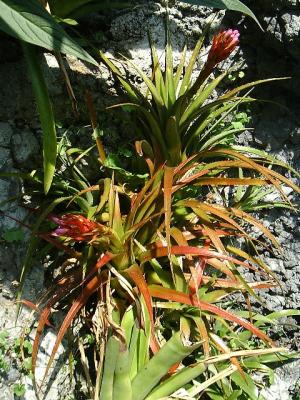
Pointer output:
x,y
25,147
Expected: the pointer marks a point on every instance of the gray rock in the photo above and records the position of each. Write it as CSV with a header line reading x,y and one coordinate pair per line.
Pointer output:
x,y
24,146
6,133
285,382
5,159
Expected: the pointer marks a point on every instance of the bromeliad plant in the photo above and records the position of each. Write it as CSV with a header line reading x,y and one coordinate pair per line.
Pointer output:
x,y
152,266
150,245
176,116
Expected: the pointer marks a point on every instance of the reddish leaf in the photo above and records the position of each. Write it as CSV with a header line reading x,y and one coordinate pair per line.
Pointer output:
x,y
136,275
168,184
188,250
34,307
233,284
87,291
60,293
172,295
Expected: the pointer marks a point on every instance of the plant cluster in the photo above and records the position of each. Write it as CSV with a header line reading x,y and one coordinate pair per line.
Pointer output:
x,y
151,263
151,254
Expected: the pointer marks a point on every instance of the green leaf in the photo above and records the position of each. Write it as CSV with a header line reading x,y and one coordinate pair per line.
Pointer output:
x,y
172,352
234,5
19,389
45,113
176,381
246,383
111,357
113,163
30,22
13,235
122,383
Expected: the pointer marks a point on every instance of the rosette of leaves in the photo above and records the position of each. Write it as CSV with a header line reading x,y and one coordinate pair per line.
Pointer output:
x,y
156,267
176,116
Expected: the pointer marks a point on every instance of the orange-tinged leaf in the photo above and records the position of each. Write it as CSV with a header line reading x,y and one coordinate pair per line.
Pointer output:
x,y
221,266
233,284
203,334
215,239
140,224
253,260
139,147
168,184
196,275
232,182
34,307
141,198
222,213
180,167
158,252
136,275
103,260
173,295
60,293
271,175
244,216
148,206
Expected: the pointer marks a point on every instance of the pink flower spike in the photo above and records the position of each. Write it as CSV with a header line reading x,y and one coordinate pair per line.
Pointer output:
x,y
75,226
223,45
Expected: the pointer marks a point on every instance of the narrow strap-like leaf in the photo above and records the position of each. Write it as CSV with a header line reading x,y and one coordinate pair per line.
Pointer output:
x,y
173,295
188,73
45,113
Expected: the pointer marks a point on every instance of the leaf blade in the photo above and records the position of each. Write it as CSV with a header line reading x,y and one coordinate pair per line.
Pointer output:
x,y
30,22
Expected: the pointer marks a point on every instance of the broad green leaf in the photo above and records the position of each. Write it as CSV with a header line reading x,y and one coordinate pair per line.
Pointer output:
x,y
172,352
177,381
113,162
234,5
111,356
122,383
30,22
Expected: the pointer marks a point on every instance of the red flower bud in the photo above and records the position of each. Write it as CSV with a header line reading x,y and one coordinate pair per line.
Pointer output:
x,y
223,45
75,226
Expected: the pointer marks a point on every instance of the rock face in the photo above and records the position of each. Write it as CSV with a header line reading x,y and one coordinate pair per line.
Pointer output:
x,y
272,53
